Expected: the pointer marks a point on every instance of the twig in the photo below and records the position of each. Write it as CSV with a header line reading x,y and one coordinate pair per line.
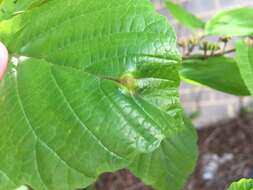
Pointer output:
x,y
224,47
213,55
135,187
211,137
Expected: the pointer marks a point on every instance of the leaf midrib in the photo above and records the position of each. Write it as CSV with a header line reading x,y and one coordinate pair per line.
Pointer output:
x,y
79,120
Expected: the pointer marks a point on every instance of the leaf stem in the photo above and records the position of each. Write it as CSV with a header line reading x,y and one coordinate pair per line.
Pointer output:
x,y
212,55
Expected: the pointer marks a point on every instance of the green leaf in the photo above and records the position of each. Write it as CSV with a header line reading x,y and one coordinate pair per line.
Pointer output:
x,y
234,22
243,184
220,73
184,16
168,156
244,57
98,92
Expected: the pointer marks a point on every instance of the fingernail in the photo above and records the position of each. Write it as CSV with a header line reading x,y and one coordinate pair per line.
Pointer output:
x,y
3,59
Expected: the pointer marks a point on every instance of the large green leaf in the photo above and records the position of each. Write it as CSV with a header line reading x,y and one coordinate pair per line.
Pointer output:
x,y
234,22
243,184
220,73
168,156
99,92
244,57
184,16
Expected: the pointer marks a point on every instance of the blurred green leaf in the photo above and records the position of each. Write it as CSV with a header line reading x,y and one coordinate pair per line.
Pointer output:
x,y
184,16
244,57
188,123
235,22
220,73
243,184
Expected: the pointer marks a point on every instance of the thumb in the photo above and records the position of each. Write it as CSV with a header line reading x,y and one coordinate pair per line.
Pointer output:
x,y
3,60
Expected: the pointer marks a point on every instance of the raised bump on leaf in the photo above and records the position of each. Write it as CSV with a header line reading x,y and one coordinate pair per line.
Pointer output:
x,y
129,82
